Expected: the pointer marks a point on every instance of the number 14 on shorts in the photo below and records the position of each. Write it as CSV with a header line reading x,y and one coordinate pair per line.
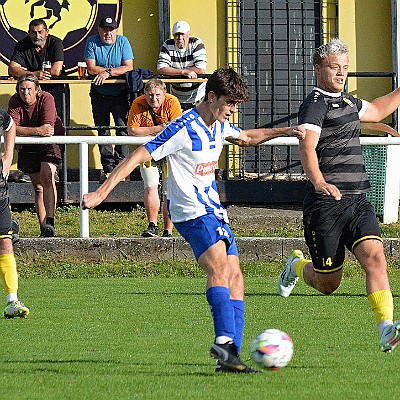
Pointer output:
x,y
327,262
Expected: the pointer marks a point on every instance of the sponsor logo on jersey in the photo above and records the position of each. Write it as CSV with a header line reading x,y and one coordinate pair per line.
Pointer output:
x,y
206,168
72,21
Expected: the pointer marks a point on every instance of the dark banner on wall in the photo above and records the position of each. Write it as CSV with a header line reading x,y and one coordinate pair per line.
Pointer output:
x,y
72,21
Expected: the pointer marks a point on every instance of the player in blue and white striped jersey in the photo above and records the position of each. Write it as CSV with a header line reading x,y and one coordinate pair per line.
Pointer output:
x,y
192,145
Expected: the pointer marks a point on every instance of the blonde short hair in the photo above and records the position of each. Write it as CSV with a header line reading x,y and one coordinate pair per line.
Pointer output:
x,y
154,83
335,46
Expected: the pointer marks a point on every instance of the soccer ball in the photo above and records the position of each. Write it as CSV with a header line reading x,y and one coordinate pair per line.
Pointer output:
x,y
272,349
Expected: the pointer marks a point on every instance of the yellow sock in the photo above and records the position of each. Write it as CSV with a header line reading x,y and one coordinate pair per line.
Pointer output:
x,y
382,305
299,267
8,272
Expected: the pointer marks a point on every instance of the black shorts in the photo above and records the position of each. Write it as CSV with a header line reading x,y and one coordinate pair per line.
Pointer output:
x,y
31,156
331,225
5,219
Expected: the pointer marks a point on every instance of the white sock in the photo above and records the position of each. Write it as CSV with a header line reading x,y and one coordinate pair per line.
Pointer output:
x,y
11,297
223,339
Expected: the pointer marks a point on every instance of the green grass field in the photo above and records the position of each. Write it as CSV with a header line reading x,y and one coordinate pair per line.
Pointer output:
x,y
148,338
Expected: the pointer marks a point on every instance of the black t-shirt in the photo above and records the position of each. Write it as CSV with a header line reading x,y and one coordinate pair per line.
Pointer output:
x,y
26,55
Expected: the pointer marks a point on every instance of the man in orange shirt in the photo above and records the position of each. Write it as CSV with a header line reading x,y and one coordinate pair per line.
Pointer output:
x,y
148,116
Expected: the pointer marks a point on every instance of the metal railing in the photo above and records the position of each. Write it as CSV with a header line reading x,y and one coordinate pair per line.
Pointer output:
x,y
85,141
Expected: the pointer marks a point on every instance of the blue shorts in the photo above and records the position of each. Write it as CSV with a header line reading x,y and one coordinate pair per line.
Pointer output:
x,y
203,232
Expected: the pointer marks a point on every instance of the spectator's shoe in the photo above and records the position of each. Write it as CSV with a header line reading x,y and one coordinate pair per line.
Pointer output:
x,y
15,230
16,309
223,368
167,234
24,178
47,230
390,337
104,176
287,278
151,231
228,358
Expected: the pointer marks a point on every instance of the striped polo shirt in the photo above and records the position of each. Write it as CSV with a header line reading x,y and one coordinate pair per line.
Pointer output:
x,y
194,55
336,117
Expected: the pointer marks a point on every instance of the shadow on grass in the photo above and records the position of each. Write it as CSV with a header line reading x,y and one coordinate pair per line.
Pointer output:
x,y
184,371
316,294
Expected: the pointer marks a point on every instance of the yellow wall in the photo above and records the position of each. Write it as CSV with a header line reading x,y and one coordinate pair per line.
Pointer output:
x,y
366,27
207,24
140,24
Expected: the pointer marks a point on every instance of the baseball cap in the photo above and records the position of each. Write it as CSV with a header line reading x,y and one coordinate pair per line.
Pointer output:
x,y
181,27
108,22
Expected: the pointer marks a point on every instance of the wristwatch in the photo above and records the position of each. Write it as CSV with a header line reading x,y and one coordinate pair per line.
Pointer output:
x,y
108,70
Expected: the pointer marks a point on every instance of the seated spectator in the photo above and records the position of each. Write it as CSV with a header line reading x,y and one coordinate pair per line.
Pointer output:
x,y
8,266
109,55
34,114
184,56
148,116
30,53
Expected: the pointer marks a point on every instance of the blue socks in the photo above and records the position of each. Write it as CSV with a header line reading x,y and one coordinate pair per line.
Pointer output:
x,y
238,307
218,298
228,315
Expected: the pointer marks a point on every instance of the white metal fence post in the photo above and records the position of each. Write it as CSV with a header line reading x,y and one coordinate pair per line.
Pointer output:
x,y
84,187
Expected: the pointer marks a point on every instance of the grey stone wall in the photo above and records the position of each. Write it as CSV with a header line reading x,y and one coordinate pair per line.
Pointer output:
x,y
153,249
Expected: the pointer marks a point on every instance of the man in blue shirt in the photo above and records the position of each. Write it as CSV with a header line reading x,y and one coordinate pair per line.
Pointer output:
x,y
109,55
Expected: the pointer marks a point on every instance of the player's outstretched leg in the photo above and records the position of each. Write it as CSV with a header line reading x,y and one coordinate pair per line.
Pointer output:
x,y
16,309
228,359
390,337
287,278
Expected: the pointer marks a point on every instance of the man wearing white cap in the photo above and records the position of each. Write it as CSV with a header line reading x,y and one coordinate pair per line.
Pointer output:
x,y
184,56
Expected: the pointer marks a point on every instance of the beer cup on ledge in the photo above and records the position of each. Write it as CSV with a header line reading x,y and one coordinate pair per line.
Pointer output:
x,y
81,70
46,66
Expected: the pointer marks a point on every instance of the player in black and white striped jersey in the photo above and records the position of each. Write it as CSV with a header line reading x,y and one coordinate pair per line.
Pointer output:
x,y
336,212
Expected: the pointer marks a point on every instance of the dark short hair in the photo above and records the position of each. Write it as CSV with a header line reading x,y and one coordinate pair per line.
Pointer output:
x,y
227,82
30,78
37,22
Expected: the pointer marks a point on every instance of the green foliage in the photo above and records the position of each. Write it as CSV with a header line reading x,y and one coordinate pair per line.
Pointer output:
x,y
148,338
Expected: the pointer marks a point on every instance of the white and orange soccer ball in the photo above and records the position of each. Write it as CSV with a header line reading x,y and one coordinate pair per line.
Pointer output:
x,y
272,349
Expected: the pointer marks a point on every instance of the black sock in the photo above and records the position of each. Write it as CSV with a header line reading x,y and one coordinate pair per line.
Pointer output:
x,y
50,221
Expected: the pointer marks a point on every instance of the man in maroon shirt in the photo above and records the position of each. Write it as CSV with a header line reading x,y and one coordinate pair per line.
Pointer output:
x,y
34,113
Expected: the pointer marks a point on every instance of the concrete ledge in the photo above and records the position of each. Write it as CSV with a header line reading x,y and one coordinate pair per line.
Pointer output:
x,y
155,249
